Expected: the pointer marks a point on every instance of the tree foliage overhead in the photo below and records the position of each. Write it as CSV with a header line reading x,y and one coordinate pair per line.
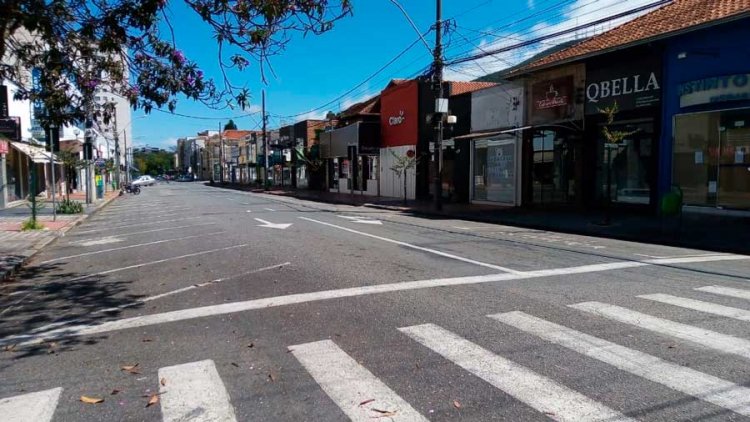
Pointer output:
x,y
230,125
83,45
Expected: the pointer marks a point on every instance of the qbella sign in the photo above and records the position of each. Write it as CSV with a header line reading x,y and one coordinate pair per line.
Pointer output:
x,y
630,88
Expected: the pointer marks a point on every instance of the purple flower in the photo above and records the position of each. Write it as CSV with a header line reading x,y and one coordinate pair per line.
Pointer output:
x,y
199,74
91,84
190,80
178,57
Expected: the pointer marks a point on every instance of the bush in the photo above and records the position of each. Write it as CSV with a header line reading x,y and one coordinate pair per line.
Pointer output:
x,y
31,224
68,206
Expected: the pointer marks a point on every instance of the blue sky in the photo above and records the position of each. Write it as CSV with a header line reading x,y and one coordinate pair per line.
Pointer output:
x,y
317,69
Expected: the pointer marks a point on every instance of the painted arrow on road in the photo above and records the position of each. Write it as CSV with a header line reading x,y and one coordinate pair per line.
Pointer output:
x,y
362,220
272,225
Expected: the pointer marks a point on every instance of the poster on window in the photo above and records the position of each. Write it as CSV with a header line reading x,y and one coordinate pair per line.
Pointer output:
x,y
501,175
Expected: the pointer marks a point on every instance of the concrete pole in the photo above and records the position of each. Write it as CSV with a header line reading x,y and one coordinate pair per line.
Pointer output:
x,y
3,182
265,143
117,155
438,116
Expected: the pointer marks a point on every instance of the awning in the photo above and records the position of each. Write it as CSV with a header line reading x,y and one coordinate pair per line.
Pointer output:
x,y
37,154
493,133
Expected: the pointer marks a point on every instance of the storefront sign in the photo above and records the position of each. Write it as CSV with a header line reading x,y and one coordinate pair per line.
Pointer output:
x,y
397,120
715,90
552,100
10,128
631,87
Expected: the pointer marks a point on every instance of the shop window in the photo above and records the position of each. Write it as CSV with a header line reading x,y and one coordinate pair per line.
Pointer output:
x,y
711,158
630,164
494,164
553,167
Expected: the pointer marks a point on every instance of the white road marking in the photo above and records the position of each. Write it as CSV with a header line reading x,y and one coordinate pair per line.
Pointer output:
x,y
706,387
726,291
419,248
269,209
349,384
32,407
128,247
701,306
131,267
270,225
694,259
101,241
227,308
706,338
54,325
194,392
680,256
540,393
362,220
248,211
143,232
135,225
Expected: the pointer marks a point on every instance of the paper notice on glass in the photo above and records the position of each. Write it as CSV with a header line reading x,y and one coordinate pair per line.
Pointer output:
x,y
712,187
698,157
739,156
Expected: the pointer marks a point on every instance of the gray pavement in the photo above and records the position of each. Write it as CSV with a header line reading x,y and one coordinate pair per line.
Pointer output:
x,y
245,306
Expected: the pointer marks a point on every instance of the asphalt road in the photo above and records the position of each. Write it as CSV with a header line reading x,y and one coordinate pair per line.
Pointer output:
x,y
224,305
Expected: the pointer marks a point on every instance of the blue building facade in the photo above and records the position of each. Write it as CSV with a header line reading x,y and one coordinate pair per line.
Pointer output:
x,y
705,141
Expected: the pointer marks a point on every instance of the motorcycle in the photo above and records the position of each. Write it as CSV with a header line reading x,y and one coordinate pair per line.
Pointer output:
x,y
129,188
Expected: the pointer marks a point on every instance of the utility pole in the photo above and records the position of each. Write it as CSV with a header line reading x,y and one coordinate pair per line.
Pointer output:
x,y
221,155
127,167
440,106
265,142
117,153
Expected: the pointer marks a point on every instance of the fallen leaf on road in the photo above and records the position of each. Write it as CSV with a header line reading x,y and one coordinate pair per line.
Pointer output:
x,y
91,400
115,391
235,365
671,346
271,377
251,345
163,382
456,404
367,401
147,340
9,348
130,368
153,400
384,413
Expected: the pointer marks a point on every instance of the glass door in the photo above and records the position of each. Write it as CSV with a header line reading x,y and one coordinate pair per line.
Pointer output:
x,y
553,167
734,160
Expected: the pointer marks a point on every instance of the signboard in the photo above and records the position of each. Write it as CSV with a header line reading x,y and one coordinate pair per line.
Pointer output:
x,y
3,101
99,162
3,147
716,89
552,100
631,86
10,128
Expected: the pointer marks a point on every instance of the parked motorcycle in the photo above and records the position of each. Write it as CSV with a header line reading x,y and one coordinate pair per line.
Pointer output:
x,y
129,188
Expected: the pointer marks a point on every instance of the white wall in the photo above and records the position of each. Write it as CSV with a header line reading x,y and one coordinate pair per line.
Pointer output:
x,y
497,107
21,109
390,184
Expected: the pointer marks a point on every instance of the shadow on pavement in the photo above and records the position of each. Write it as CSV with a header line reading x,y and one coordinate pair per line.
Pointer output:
x,y
47,300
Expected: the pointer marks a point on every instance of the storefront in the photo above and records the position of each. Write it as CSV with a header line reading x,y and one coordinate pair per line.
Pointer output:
x,y
497,115
553,142
399,128
352,159
707,117
625,173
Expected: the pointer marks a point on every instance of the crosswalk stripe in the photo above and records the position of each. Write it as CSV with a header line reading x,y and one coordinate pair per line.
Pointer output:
x,y
37,407
726,291
537,391
194,391
350,385
701,306
707,338
686,380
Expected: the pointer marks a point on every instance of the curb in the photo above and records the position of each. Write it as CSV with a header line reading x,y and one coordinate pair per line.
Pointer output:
x,y
7,274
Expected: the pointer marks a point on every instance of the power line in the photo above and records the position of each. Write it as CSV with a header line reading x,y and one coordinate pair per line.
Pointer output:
x,y
206,117
558,33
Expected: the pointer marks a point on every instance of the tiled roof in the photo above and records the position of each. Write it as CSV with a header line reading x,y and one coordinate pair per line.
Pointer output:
x,y
236,134
458,88
369,106
676,16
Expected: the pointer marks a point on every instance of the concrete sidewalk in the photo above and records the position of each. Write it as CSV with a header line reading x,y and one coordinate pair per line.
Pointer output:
x,y
719,233
17,247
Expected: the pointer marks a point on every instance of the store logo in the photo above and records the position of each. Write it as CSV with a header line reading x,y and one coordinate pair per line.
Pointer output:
x,y
715,90
621,86
552,99
397,120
